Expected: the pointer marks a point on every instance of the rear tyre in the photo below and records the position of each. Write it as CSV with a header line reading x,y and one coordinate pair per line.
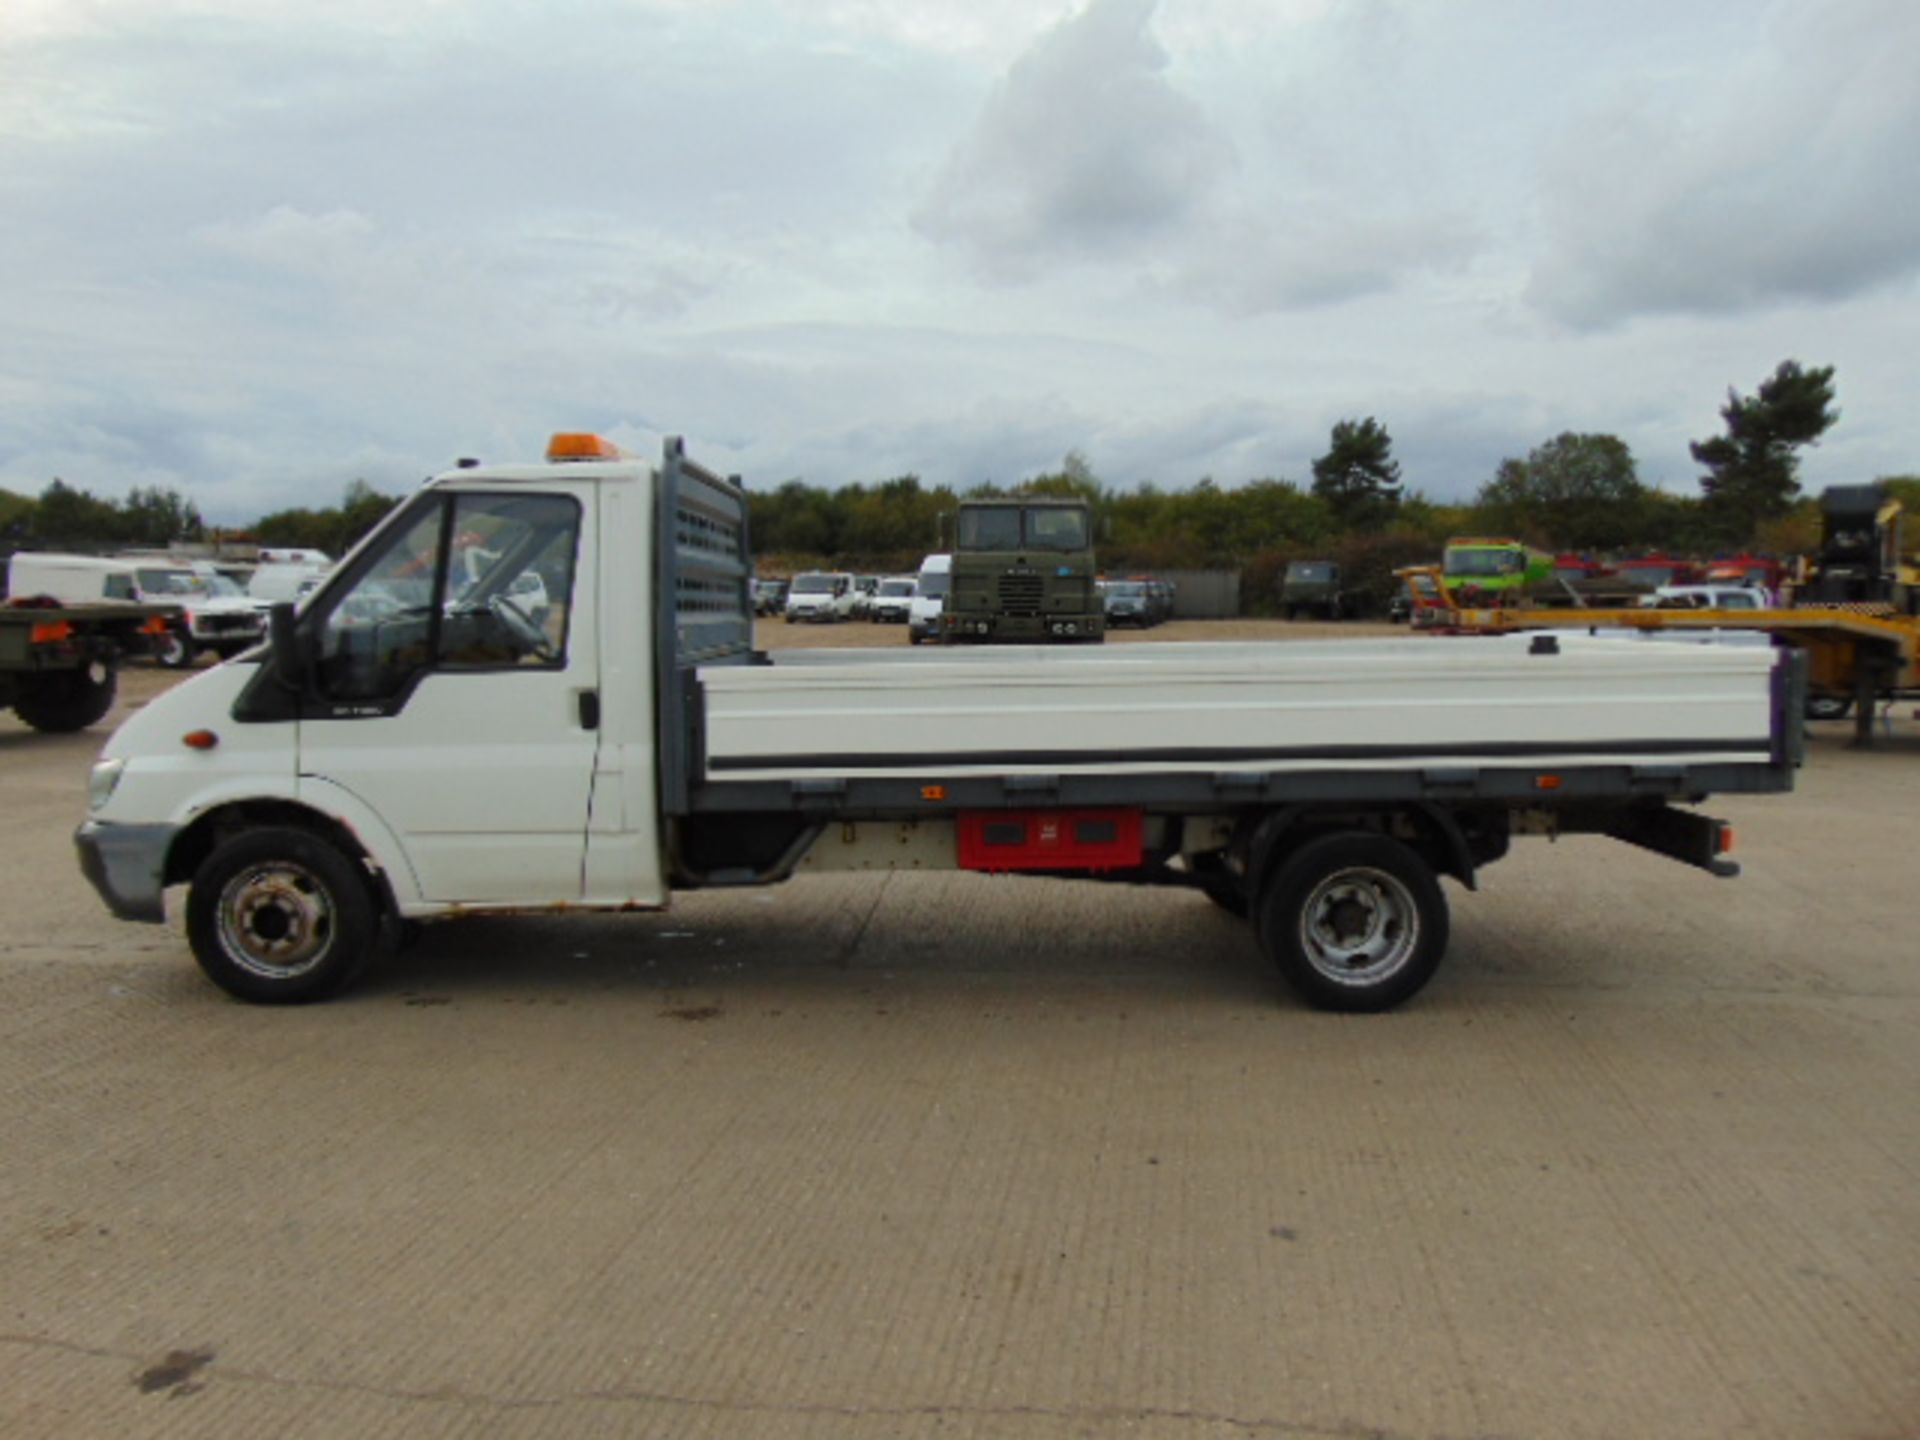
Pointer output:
x,y
1354,921
62,701
279,916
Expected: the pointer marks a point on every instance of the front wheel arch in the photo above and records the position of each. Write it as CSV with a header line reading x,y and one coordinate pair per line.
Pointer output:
x,y
200,839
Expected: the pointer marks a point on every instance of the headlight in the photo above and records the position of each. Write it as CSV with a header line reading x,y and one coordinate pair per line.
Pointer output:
x,y
101,782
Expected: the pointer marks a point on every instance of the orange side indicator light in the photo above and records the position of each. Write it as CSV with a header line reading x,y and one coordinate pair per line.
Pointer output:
x,y
200,739
581,445
933,792
156,625
1546,782
51,632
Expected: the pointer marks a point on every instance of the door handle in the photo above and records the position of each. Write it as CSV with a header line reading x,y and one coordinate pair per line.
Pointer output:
x,y
589,704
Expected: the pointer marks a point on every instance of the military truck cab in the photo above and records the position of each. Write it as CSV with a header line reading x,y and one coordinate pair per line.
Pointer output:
x,y
1023,573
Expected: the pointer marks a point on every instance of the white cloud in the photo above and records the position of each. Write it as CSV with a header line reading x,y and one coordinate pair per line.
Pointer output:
x,y
253,249
1785,174
1084,151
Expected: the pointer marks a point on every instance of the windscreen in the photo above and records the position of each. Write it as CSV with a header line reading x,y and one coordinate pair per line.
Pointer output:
x,y
1057,529
813,585
990,527
170,582
1483,562
1648,574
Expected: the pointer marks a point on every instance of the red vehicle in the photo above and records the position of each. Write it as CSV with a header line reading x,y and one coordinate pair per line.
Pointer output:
x,y
1579,567
1655,569
1762,571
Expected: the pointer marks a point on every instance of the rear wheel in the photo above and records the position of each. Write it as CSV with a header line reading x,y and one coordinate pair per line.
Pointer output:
x,y
61,701
280,916
1354,921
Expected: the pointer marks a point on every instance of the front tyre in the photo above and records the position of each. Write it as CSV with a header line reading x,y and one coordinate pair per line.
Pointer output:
x,y
175,649
1354,921
279,916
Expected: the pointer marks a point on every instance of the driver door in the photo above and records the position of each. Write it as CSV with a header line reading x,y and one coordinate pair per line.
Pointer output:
x,y
456,708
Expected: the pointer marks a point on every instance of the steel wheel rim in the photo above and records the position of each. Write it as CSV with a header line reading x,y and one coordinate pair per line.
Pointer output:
x,y
1359,926
276,920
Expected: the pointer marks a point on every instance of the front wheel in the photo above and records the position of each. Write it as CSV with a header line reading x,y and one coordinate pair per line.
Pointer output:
x,y
1354,921
280,916
174,649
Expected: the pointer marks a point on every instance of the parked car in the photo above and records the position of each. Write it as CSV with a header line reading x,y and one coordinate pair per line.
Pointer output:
x,y
1705,597
929,597
893,601
1160,600
769,597
821,595
1127,603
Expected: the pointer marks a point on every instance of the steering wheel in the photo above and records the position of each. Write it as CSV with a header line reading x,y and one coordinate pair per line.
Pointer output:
x,y
520,625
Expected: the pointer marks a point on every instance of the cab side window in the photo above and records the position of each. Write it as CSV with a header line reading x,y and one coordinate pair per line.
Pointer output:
x,y
467,582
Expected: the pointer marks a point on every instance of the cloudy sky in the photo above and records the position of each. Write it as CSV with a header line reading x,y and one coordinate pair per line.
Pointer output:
x,y
254,250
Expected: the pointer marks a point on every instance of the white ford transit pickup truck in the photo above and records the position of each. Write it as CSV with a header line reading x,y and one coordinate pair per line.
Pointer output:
x,y
414,744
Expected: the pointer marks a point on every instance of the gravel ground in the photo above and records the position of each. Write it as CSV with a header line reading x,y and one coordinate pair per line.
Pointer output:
x,y
947,1155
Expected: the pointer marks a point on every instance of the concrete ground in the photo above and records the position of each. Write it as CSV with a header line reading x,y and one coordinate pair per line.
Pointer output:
x,y
944,1155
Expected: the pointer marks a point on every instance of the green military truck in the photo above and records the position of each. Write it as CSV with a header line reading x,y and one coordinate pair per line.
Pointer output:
x,y
1314,587
1023,573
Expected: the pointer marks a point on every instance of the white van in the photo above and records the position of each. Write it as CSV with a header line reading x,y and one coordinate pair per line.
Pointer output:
x,y
929,597
821,595
215,615
287,580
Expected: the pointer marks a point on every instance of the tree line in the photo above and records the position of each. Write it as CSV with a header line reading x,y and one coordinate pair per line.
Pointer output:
x,y
1573,492
64,517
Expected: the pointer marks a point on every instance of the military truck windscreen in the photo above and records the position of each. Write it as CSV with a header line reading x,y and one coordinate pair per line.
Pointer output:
x,y
1008,527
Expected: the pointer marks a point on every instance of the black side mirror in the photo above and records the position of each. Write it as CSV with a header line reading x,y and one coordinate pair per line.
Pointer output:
x,y
283,642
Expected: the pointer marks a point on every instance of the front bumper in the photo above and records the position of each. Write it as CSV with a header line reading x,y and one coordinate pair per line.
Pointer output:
x,y
126,863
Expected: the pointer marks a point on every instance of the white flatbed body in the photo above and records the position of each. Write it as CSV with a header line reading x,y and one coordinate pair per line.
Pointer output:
x,y
1269,707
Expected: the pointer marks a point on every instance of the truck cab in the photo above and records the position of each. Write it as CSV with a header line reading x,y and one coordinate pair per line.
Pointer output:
x,y
1023,572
